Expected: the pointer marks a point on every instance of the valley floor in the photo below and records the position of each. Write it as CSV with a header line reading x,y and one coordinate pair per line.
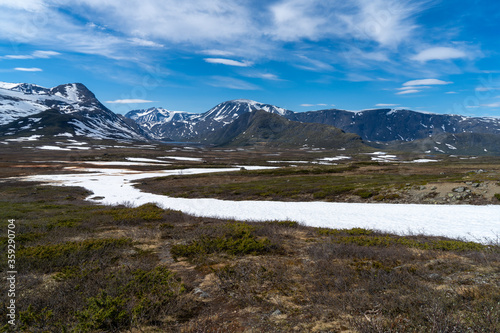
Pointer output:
x,y
98,255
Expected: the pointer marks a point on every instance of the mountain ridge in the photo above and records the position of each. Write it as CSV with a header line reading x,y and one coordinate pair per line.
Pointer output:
x,y
22,104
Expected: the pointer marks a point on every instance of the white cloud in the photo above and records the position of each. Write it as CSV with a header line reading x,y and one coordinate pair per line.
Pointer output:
x,y
318,104
385,105
425,82
451,92
439,53
411,91
309,64
144,42
492,105
34,55
264,76
486,88
231,83
32,69
387,22
129,101
228,62
220,53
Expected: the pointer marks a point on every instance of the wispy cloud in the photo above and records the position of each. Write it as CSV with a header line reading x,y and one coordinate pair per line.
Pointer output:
x,y
32,69
318,104
220,53
231,83
144,42
129,101
34,55
228,62
386,105
426,82
264,76
409,91
439,53
491,105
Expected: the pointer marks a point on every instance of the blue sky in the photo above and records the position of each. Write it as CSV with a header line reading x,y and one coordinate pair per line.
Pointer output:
x,y
427,55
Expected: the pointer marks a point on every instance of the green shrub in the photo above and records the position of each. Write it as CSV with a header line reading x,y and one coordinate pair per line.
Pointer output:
x,y
103,312
287,224
364,193
146,212
30,319
385,241
140,296
47,257
237,240
497,195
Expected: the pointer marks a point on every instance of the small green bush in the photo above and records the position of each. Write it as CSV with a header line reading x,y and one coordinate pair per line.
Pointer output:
x,y
103,312
287,224
497,195
140,296
237,240
364,193
48,257
146,212
385,241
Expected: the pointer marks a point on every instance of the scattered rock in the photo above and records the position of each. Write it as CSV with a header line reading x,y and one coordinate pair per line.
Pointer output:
x,y
433,188
276,313
201,293
422,187
459,189
468,183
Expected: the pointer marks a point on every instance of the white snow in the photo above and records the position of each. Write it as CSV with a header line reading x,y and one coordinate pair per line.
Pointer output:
x,y
181,158
78,147
7,85
113,163
52,148
69,135
476,223
424,160
288,162
385,158
139,159
336,158
26,138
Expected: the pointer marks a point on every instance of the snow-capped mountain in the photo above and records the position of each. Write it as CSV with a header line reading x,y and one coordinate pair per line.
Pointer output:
x,y
184,126
27,108
397,124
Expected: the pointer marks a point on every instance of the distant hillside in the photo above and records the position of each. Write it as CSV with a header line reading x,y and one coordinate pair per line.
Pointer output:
x,y
262,128
454,144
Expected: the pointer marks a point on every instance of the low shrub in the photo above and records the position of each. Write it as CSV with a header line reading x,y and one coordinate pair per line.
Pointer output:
x,y
146,212
48,257
237,240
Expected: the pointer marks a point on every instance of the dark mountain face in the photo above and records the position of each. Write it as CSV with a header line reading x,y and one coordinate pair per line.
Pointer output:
x,y
31,109
261,128
401,125
453,144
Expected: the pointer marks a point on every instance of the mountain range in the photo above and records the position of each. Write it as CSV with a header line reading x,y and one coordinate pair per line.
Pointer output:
x,y
27,109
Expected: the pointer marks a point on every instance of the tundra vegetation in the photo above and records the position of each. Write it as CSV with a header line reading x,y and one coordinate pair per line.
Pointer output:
x,y
84,267
93,268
